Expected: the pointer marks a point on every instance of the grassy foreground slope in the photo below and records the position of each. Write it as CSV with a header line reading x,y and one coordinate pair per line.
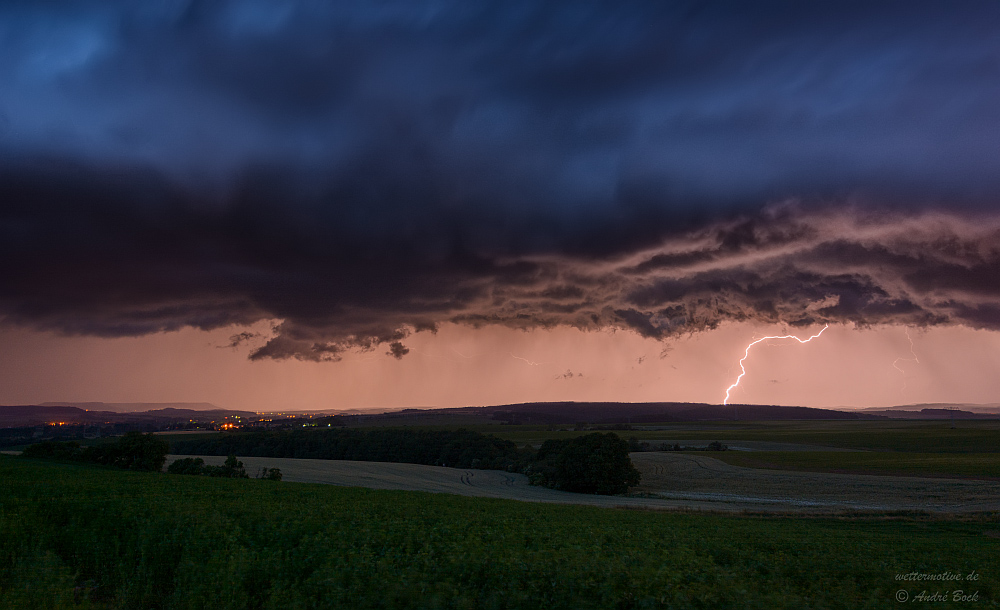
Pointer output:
x,y
78,536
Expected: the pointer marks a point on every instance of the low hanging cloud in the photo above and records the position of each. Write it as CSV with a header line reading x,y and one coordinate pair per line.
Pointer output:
x,y
788,263
360,172
825,267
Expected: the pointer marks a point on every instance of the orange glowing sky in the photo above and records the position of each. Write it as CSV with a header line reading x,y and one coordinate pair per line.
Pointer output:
x,y
460,366
518,202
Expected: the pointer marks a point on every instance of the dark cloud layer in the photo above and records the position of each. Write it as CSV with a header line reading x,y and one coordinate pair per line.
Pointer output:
x,y
366,170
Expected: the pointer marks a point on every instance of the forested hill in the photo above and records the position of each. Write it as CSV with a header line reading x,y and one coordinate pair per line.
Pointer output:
x,y
34,415
647,412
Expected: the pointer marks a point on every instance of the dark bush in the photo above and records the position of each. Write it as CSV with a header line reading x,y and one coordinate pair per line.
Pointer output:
x,y
232,469
595,463
186,466
271,474
134,451
53,450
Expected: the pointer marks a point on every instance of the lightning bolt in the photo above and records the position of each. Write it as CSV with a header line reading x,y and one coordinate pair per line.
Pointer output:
x,y
895,362
746,354
526,360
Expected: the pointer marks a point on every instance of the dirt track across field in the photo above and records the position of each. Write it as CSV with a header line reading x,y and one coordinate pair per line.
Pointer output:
x,y
675,481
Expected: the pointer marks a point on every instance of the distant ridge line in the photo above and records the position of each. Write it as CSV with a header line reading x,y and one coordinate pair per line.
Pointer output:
x,y
33,415
127,407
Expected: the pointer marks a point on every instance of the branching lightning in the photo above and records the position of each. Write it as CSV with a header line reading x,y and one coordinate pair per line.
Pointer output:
x,y
746,354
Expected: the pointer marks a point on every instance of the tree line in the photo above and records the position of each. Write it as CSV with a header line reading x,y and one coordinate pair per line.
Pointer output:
x,y
133,451
594,463
231,469
455,448
138,451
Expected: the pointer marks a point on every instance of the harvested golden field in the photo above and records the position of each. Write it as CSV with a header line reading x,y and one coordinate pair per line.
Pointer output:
x,y
670,480
697,477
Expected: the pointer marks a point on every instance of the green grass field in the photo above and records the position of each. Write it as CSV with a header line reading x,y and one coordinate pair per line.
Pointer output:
x,y
75,536
973,465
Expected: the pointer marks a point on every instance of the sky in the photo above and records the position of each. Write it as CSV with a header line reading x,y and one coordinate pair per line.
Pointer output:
x,y
390,204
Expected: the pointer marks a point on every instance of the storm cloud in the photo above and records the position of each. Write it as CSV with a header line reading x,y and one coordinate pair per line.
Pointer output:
x,y
363,171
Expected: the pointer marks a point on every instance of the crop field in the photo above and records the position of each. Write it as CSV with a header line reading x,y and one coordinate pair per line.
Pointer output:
x,y
779,466
700,477
932,436
79,536
669,481
968,465
436,479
